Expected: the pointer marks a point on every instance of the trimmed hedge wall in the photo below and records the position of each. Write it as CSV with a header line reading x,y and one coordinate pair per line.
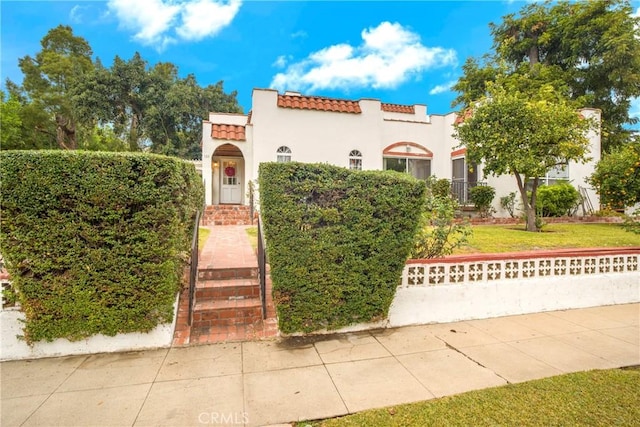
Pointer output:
x,y
337,241
95,242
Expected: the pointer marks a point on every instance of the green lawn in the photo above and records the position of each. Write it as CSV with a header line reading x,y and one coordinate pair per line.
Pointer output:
x,y
252,232
595,398
203,235
513,238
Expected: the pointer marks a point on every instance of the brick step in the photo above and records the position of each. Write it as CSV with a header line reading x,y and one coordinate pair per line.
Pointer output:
x,y
227,215
227,273
209,314
227,289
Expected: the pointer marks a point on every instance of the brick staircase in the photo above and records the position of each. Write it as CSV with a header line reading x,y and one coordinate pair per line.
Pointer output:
x,y
227,294
226,297
227,215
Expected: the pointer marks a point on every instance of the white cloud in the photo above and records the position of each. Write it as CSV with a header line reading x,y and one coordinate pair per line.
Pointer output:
x,y
153,21
389,55
300,34
75,15
446,87
281,61
637,14
205,18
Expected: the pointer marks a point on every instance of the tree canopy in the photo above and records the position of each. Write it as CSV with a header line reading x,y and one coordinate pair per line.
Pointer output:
x,y
69,101
524,135
617,176
590,51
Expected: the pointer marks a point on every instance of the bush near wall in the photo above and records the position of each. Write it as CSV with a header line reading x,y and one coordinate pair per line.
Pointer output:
x,y
337,241
95,242
558,199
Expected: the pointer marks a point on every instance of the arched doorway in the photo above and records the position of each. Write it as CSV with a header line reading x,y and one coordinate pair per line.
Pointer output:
x,y
227,169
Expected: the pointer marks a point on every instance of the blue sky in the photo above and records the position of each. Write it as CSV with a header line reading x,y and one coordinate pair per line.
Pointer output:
x,y
398,52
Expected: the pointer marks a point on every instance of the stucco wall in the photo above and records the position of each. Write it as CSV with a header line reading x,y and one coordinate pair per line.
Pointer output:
x,y
13,348
326,136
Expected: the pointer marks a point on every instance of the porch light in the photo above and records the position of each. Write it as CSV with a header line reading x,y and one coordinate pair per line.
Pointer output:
x,y
215,164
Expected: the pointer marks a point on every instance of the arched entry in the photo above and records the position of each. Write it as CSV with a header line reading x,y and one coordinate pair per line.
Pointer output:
x,y
227,168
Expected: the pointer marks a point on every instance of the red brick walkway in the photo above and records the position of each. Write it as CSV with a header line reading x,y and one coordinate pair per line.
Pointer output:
x,y
226,247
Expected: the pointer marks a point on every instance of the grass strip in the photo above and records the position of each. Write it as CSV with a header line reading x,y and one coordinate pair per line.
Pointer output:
x,y
593,398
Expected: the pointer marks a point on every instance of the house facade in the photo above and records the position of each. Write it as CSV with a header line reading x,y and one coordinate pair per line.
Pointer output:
x,y
362,134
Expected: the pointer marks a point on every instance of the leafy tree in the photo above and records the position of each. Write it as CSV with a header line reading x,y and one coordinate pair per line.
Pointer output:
x,y
525,135
11,129
63,60
592,49
151,108
25,124
617,177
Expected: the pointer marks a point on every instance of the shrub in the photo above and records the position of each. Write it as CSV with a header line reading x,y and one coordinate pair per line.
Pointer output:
x,y
508,203
337,241
482,197
438,233
617,176
439,187
95,242
632,222
558,199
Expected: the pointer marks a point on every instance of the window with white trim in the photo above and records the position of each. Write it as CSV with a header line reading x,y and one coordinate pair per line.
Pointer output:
x,y
418,168
355,160
556,174
283,154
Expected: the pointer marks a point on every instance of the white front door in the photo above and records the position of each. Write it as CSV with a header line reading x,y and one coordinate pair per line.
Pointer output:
x,y
230,185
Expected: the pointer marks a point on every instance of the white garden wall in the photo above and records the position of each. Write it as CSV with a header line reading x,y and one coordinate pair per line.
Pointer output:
x,y
484,286
13,348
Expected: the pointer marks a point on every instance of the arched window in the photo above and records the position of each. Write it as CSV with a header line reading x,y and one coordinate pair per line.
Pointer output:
x,y
355,160
283,154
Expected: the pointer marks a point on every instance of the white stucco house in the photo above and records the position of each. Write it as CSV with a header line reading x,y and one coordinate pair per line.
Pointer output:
x,y
356,134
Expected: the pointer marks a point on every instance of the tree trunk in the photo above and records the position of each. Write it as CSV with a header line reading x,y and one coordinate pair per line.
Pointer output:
x,y
529,205
66,133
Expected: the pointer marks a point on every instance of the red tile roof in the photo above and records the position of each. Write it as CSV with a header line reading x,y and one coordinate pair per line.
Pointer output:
x,y
460,118
318,103
397,108
231,132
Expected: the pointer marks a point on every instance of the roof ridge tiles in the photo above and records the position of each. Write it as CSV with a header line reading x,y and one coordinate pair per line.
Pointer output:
x,y
320,103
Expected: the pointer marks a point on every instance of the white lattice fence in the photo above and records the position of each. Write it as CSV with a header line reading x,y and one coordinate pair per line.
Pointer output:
x,y
490,285
450,272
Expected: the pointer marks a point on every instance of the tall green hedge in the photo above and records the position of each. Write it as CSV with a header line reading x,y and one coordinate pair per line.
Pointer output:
x,y
95,242
337,241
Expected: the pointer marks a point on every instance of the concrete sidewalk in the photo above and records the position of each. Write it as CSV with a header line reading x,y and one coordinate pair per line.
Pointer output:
x,y
268,382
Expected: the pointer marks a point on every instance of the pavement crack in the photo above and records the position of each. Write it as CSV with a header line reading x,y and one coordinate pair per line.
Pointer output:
x,y
457,350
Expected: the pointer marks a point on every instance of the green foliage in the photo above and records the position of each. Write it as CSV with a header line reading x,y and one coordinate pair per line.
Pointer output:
x,y
588,50
559,199
439,233
95,242
617,177
150,107
11,129
63,61
439,187
337,241
508,203
632,222
482,196
524,135
68,101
